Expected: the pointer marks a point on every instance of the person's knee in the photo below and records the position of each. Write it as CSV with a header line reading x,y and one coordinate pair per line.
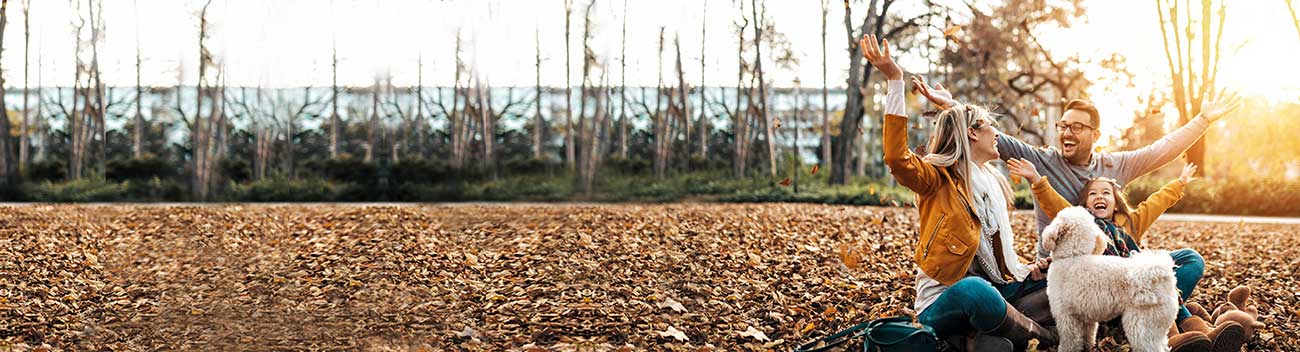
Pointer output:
x,y
1188,260
979,299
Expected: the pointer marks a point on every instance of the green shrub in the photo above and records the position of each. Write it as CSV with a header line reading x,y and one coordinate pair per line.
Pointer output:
x,y
83,190
279,189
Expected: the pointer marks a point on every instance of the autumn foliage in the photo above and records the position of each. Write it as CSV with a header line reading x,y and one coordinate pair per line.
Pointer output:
x,y
510,277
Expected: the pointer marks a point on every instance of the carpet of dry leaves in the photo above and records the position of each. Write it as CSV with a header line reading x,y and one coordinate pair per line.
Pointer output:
x,y
508,277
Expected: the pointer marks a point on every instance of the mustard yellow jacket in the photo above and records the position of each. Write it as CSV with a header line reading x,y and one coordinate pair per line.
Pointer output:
x,y
949,226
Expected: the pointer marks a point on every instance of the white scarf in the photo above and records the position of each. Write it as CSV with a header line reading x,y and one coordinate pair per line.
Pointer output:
x,y
991,206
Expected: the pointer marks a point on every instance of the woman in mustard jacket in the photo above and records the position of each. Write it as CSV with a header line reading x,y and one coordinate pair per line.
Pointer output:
x,y
968,270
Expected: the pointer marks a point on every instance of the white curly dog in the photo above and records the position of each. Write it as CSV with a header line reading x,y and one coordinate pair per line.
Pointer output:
x,y
1084,287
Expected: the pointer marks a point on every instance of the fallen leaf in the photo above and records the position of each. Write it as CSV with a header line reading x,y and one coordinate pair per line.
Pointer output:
x,y
754,333
672,304
674,333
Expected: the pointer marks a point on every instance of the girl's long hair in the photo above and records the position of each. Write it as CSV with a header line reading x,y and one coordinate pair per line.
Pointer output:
x,y
950,148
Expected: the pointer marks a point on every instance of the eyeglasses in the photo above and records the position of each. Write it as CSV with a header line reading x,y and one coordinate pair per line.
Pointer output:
x,y
1076,127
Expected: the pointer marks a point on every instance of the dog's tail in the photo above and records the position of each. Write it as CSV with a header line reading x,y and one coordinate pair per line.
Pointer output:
x,y
1153,275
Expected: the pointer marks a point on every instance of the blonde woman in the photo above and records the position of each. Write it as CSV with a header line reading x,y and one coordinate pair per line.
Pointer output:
x,y
968,270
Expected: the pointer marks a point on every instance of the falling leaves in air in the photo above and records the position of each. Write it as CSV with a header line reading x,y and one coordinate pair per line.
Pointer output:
x,y
785,182
814,169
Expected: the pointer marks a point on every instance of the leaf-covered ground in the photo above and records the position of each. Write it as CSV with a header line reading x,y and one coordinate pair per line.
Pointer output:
x,y
509,277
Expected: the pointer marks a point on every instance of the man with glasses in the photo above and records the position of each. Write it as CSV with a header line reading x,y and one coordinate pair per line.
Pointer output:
x,y
1073,161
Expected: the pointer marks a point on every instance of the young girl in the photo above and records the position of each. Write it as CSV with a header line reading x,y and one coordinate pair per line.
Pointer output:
x,y
1125,225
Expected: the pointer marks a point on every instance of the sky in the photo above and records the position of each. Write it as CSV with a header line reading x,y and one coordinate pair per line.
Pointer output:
x,y
287,43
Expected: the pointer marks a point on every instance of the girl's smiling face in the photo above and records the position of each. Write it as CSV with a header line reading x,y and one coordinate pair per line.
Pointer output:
x,y
1101,199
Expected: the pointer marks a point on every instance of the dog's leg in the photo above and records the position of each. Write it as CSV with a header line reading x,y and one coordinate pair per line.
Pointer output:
x,y
1070,330
1144,329
1089,334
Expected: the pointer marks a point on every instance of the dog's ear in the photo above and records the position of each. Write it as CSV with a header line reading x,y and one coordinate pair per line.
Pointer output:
x,y
1049,236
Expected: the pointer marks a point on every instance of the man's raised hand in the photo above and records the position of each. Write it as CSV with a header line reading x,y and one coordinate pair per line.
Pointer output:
x,y
938,95
1222,104
879,57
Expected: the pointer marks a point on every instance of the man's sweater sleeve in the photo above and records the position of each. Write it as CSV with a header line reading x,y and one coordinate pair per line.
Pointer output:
x,y
1134,164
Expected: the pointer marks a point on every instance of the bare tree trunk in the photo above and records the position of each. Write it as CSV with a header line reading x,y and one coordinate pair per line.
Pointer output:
x,y
826,119
568,93
740,123
8,162
24,136
137,131
201,134
334,100
538,123
622,90
374,122
455,116
762,85
96,21
703,124
660,126
1189,93
419,109
857,80
683,100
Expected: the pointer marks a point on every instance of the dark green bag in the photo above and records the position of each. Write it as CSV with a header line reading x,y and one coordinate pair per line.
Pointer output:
x,y
884,335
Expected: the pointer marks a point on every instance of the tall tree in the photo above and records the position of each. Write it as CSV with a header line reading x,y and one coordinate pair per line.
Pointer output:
x,y
740,117
622,89
137,130
855,83
703,124
586,154
335,122
1190,88
759,22
568,92
24,141
826,119
538,123
202,127
8,160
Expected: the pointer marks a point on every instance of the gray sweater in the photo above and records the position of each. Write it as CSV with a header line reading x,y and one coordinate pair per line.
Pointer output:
x,y
1068,179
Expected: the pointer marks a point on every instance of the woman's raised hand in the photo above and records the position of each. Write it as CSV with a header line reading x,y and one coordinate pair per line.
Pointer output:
x,y
938,95
1023,168
879,57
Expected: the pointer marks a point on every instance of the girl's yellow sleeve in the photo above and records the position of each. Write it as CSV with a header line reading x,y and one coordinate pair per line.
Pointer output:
x,y
1149,210
1048,199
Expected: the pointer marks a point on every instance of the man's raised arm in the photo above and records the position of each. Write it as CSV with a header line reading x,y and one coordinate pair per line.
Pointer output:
x,y
1133,164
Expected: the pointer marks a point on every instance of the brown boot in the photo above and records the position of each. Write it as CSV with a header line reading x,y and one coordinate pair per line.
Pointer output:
x,y
1228,336
1020,329
1194,323
1193,341
1036,306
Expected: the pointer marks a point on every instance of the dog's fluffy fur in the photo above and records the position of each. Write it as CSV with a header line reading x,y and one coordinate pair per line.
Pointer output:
x,y
1085,288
